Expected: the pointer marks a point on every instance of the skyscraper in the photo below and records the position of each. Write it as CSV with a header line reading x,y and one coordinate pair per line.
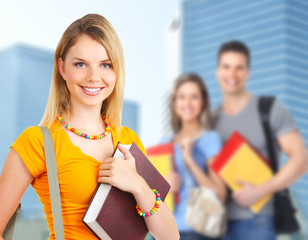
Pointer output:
x,y
276,33
26,73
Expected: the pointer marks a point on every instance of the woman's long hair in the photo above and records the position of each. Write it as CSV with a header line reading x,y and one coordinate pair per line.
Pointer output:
x,y
97,27
205,115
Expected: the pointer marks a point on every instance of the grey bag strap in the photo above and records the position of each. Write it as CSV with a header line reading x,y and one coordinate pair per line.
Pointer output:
x,y
53,183
9,229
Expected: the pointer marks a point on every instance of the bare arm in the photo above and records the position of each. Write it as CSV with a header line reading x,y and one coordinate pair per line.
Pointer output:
x,y
218,181
210,180
14,180
162,224
293,145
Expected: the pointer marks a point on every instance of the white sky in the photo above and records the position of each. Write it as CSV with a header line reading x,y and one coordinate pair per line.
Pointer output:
x,y
140,24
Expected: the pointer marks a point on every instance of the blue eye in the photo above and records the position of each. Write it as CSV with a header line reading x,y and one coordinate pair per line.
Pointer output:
x,y
80,64
195,97
106,65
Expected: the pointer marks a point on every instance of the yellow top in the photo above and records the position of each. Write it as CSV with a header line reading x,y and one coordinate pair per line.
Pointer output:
x,y
77,174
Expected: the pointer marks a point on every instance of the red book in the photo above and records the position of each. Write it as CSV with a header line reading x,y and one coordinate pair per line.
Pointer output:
x,y
112,213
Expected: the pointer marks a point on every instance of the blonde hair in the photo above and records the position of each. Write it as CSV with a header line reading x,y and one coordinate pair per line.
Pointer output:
x,y
97,27
205,116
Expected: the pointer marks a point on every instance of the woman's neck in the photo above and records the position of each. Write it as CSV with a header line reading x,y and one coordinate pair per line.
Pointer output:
x,y
190,128
85,118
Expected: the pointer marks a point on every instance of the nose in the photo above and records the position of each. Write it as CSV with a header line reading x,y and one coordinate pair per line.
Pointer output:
x,y
93,74
232,73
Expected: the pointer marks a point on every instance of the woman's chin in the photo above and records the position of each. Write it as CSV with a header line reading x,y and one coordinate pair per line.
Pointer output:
x,y
91,104
190,119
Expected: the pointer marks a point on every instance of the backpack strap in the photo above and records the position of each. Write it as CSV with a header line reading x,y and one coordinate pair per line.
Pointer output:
x,y
53,182
285,219
265,105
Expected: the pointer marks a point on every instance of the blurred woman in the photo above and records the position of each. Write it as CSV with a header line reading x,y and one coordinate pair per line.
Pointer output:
x,y
195,146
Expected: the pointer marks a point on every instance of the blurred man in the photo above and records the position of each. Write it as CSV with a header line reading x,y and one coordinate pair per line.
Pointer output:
x,y
239,112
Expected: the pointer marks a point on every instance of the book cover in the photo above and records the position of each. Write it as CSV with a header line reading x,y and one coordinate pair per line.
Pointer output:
x,y
112,213
161,156
239,160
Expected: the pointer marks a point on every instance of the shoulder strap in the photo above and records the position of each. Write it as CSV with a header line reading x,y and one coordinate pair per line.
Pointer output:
x,y
53,183
9,229
265,105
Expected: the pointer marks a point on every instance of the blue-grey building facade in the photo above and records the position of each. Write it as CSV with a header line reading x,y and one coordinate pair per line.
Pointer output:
x,y
276,31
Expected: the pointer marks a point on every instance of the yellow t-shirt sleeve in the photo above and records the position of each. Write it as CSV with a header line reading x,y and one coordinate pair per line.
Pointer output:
x,y
128,136
139,143
29,146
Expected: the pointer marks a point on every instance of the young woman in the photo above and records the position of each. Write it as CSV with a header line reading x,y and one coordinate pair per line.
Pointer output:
x,y
195,145
83,113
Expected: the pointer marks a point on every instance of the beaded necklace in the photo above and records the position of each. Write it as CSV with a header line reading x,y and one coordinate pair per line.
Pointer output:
x,y
93,137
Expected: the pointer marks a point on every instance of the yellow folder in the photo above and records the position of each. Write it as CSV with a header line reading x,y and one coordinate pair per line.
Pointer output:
x,y
238,160
161,157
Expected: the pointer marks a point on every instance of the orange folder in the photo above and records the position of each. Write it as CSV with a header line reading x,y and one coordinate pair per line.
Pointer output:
x,y
161,156
238,160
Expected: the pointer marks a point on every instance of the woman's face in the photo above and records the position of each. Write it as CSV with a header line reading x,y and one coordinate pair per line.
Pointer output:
x,y
88,72
188,102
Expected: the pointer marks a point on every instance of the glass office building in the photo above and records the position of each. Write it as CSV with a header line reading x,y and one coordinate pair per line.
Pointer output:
x,y
276,33
25,73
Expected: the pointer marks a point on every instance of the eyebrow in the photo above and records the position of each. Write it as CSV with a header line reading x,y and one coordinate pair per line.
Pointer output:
x,y
80,59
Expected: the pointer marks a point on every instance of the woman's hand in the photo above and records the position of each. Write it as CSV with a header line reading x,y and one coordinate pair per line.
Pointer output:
x,y
120,173
175,181
187,144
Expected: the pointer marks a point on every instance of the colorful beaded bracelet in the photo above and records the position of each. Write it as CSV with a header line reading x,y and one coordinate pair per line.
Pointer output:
x,y
154,209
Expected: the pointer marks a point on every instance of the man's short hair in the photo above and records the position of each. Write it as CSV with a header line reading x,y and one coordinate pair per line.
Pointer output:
x,y
234,46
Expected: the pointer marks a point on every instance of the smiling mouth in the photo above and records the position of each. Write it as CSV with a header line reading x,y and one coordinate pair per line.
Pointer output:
x,y
188,110
232,82
92,91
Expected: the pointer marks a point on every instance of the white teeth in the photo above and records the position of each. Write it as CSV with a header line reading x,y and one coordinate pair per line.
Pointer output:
x,y
232,82
188,110
92,89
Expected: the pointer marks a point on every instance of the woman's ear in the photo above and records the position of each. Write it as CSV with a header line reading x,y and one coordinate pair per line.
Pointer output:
x,y
61,67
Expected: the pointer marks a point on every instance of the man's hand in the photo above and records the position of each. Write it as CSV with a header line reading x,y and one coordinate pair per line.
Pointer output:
x,y
249,195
